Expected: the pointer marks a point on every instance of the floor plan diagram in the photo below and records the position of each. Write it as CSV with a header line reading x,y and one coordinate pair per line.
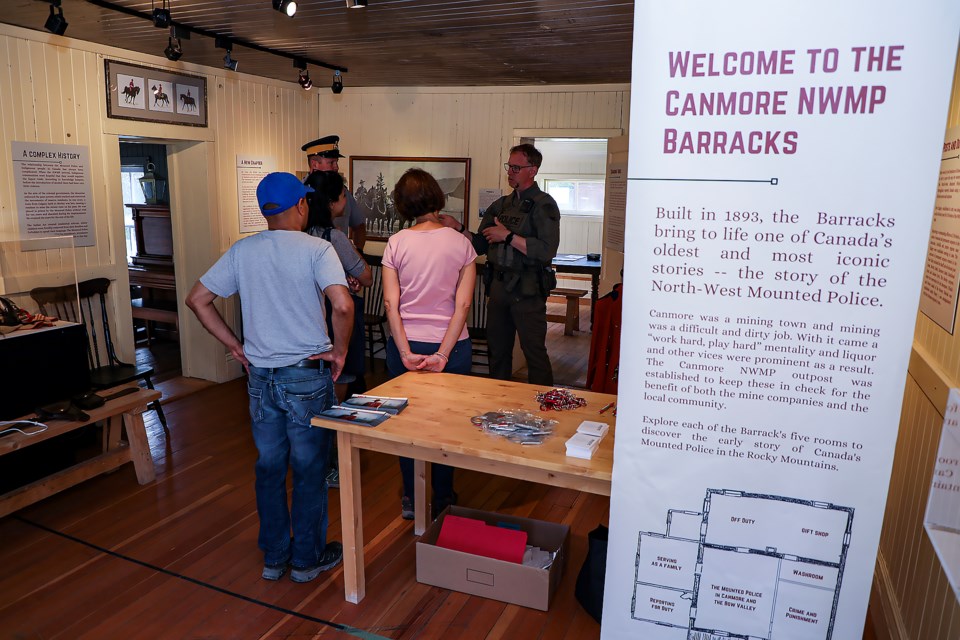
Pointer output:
x,y
748,566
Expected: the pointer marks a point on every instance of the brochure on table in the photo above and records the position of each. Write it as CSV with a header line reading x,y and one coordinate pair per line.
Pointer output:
x,y
782,175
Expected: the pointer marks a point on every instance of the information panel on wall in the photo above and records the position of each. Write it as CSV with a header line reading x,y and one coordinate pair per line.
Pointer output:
x,y
250,171
782,175
941,276
53,191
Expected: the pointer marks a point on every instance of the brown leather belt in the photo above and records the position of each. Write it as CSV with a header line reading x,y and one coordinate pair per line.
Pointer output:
x,y
308,363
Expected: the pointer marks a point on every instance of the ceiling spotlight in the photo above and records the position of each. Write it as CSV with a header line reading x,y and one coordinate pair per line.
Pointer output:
x,y
161,18
337,86
230,63
56,23
356,4
288,7
174,50
304,79
223,42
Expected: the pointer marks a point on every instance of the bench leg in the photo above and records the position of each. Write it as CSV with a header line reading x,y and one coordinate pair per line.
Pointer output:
x,y
573,316
139,445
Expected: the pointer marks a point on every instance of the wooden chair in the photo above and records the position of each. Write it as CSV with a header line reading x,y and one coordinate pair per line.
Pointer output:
x,y
106,370
374,315
477,321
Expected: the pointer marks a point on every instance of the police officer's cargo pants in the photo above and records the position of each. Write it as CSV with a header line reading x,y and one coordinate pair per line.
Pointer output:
x,y
510,315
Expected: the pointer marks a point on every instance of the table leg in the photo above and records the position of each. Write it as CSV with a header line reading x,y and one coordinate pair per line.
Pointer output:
x,y
351,519
594,292
419,497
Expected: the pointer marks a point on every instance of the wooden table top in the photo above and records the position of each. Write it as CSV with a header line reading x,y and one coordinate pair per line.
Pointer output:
x,y
580,265
441,405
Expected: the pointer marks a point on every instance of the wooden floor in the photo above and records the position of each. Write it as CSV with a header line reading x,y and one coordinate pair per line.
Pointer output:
x,y
177,558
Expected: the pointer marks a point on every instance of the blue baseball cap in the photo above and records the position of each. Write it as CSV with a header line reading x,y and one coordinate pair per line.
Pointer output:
x,y
279,191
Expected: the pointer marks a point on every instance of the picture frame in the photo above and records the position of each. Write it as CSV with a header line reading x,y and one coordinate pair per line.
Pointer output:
x,y
146,94
372,179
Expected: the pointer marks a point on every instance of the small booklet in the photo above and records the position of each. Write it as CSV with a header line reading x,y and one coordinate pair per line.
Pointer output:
x,y
354,415
582,446
592,428
377,403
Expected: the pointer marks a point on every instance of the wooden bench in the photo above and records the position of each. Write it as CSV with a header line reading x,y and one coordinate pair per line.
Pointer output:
x,y
126,411
571,319
150,311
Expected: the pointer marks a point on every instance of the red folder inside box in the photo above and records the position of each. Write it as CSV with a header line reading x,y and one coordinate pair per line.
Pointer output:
x,y
478,538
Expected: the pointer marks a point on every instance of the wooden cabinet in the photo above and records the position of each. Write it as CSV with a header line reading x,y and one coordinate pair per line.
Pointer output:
x,y
154,235
151,270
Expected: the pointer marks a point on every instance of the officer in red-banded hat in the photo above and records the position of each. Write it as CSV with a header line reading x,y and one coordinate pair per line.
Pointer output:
x,y
324,155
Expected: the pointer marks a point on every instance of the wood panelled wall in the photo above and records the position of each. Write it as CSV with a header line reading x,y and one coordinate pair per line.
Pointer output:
x,y
474,122
911,591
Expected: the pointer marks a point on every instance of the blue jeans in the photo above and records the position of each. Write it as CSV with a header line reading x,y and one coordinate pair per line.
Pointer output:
x,y
282,401
461,360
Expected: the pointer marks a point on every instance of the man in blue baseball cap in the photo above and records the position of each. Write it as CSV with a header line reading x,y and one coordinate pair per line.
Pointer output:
x,y
323,154
292,364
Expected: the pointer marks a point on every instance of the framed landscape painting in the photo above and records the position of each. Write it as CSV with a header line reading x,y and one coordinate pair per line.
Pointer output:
x,y
372,179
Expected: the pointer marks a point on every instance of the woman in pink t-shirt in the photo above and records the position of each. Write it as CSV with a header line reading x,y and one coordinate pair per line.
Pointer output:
x,y
428,280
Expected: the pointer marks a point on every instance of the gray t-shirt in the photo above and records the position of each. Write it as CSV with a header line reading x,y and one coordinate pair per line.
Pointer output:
x,y
280,276
352,263
353,215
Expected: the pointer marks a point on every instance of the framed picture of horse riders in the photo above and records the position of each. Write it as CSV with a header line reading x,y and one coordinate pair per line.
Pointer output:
x,y
372,179
142,93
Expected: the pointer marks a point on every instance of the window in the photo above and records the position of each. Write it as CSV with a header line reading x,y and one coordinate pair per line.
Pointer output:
x,y
132,194
577,196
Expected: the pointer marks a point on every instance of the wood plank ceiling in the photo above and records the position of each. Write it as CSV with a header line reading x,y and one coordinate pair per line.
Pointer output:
x,y
390,43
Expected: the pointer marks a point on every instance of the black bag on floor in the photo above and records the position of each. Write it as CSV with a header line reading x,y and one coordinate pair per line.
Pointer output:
x,y
589,589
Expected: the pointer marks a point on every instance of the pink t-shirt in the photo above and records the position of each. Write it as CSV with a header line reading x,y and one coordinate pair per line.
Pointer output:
x,y
428,265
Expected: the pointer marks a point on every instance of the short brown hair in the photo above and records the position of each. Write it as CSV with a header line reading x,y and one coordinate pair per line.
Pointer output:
x,y
416,194
529,152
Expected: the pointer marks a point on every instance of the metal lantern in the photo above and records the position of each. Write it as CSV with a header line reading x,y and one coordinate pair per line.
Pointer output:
x,y
153,184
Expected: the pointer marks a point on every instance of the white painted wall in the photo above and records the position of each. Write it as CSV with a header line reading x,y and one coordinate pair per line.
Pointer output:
x,y
474,122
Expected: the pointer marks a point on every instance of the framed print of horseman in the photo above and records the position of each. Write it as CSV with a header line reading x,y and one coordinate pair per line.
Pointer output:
x,y
142,93
372,179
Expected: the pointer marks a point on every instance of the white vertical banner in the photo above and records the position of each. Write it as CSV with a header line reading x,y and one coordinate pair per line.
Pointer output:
x,y
782,175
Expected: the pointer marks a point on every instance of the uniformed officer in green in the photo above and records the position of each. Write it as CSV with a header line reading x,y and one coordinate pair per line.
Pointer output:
x,y
519,233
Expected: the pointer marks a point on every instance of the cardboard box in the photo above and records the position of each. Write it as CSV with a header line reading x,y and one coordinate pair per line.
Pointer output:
x,y
496,579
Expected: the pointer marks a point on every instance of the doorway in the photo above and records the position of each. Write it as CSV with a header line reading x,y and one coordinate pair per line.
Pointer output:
x,y
150,257
573,172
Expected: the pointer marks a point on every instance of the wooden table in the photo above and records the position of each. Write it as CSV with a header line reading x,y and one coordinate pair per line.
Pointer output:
x,y
582,265
116,451
436,427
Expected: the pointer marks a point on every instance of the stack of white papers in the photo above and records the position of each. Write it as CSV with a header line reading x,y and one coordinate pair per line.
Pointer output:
x,y
586,440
